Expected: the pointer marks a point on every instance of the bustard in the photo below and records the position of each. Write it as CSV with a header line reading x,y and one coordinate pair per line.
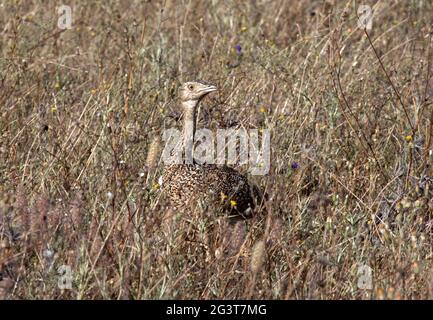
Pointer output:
x,y
187,183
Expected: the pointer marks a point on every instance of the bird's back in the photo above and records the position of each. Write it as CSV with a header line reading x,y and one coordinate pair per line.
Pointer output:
x,y
184,184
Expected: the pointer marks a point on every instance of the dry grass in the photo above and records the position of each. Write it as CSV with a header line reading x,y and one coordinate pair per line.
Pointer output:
x,y
81,107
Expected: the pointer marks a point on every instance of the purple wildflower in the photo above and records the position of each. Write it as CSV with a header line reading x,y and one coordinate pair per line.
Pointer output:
x,y
294,165
238,48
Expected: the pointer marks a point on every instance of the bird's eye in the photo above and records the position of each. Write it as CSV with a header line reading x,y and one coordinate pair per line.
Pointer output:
x,y
191,87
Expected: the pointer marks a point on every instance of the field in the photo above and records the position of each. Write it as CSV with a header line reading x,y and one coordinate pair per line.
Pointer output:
x,y
349,212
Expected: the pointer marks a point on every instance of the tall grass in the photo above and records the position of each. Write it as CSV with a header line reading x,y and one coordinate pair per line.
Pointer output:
x,y
350,114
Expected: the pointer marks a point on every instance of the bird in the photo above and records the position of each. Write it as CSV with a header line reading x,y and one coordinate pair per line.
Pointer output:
x,y
189,182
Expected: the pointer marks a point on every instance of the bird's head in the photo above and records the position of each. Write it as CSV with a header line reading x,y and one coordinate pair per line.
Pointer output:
x,y
195,90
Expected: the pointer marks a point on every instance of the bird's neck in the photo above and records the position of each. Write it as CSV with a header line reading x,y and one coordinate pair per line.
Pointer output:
x,y
189,123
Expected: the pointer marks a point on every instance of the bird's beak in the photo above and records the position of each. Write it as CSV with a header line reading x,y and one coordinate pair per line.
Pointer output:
x,y
209,89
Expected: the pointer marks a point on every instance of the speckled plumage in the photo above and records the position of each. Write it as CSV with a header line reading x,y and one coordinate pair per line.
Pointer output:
x,y
187,184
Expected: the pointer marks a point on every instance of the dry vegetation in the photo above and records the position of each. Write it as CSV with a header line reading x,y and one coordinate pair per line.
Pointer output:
x,y
351,121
